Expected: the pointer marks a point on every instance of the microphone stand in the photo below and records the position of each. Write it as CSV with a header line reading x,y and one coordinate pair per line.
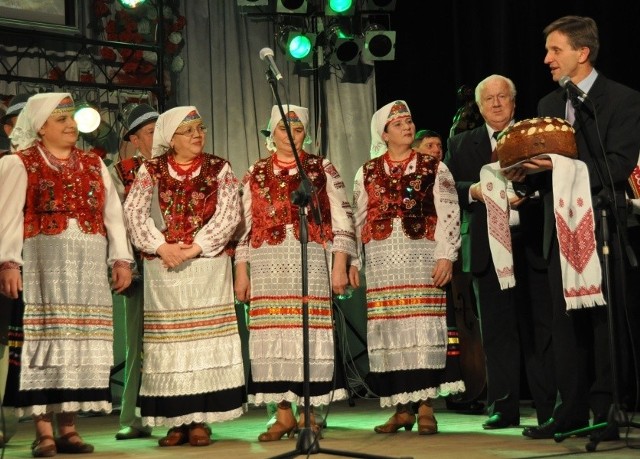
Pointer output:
x,y
308,440
616,416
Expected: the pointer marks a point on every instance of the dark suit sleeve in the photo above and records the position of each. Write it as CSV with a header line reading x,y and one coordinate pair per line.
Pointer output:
x,y
453,160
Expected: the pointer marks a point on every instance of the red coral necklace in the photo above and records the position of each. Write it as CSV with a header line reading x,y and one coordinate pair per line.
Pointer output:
x,y
397,168
185,170
285,166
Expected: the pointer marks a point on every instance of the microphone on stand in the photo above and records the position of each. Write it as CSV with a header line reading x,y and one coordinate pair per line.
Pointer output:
x,y
267,54
566,83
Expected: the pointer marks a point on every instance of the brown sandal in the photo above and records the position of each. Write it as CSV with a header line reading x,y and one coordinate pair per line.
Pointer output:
x,y
199,435
65,446
43,451
176,436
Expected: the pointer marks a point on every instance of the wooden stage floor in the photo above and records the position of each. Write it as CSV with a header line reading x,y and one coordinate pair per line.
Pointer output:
x,y
350,430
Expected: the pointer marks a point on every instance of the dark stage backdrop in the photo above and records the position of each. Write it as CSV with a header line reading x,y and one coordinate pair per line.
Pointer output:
x,y
455,42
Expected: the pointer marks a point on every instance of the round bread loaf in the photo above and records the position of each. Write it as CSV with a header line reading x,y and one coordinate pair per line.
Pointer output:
x,y
536,136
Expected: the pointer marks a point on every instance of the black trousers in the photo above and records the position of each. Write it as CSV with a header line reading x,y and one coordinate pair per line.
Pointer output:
x,y
515,328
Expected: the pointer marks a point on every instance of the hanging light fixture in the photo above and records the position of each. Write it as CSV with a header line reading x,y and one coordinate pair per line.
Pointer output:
x,y
342,46
379,41
130,4
297,44
340,8
292,6
378,5
253,2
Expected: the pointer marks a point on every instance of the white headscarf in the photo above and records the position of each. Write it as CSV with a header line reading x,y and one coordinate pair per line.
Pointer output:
x,y
33,116
301,112
390,112
166,126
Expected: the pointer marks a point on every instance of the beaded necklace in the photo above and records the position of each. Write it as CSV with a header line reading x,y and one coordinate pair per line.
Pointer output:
x,y
397,168
285,166
185,170
69,163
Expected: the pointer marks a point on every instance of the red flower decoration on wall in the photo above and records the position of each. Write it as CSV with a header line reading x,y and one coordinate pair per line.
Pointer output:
x,y
139,26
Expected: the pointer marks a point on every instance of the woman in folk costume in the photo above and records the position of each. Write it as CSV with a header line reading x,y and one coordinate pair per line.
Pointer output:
x,y
181,211
407,222
62,226
270,249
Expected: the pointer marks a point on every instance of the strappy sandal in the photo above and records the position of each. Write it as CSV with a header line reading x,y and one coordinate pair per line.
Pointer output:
x,y
46,450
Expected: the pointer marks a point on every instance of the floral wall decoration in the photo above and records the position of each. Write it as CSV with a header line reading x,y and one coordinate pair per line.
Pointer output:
x,y
139,25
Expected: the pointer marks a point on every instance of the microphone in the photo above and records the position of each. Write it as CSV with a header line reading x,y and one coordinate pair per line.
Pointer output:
x,y
267,53
566,83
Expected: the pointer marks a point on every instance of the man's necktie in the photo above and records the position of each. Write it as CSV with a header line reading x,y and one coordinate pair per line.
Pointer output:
x,y
571,112
494,153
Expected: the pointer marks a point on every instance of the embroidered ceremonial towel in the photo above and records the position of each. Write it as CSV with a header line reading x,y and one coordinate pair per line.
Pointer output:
x,y
494,190
575,228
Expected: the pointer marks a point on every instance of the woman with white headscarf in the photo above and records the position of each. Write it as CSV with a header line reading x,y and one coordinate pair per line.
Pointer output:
x,y
407,223
182,211
270,249
61,228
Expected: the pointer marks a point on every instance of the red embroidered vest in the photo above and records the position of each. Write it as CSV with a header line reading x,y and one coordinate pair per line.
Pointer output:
x,y
127,170
186,205
271,206
409,197
53,197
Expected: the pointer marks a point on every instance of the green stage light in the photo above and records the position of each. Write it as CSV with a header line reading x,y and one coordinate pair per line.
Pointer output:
x,y
340,8
131,3
300,46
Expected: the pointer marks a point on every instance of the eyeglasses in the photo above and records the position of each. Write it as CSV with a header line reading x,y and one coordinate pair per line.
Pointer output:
x,y
201,129
501,97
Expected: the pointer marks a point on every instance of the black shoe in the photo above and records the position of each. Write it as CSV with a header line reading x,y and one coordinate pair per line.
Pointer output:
x,y
549,429
472,407
546,430
498,422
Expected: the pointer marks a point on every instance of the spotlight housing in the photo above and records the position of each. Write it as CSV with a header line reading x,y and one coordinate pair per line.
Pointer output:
x,y
297,44
340,8
291,6
253,2
343,47
379,43
86,117
130,4
378,5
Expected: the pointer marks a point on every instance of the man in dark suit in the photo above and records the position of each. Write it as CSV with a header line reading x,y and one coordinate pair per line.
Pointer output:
x,y
505,315
607,124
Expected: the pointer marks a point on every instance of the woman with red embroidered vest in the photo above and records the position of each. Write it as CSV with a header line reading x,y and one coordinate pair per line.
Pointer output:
x,y
181,211
270,248
61,228
407,223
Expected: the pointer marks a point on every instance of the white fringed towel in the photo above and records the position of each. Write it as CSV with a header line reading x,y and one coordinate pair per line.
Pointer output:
x,y
575,228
